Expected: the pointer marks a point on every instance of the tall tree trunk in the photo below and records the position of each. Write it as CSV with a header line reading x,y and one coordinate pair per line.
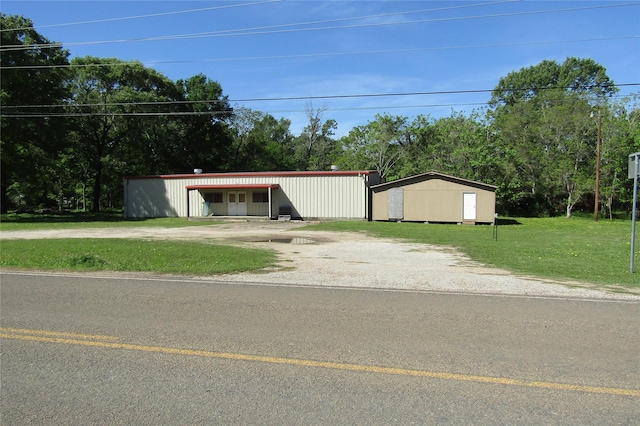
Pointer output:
x,y
570,205
97,189
4,201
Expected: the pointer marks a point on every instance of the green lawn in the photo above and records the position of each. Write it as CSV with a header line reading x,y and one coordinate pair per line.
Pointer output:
x,y
133,255
171,257
567,249
25,221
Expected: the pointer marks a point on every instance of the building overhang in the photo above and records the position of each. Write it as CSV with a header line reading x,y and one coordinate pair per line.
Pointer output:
x,y
233,186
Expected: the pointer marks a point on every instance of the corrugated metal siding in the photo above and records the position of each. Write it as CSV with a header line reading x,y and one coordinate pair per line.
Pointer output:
x,y
324,196
195,201
154,198
256,209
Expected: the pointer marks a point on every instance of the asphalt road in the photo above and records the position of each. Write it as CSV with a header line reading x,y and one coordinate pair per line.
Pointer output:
x,y
89,350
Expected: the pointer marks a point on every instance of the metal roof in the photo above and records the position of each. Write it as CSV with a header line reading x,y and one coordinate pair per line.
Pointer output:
x,y
257,174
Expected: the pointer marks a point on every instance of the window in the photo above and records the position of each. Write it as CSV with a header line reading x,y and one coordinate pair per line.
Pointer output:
x,y
261,197
213,197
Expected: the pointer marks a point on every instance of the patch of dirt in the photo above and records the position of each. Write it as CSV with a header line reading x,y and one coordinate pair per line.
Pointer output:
x,y
350,259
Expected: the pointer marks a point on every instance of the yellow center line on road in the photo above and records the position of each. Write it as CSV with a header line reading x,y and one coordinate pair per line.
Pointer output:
x,y
56,333
50,337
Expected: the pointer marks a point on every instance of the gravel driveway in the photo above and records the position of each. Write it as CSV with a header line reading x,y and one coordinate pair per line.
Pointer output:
x,y
339,259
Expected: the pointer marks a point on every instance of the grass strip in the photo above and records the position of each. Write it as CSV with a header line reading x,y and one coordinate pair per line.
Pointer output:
x,y
33,222
173,257
559,248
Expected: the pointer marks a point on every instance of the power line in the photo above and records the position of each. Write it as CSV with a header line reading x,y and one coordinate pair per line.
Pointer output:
x,y
231,32
258,31
152,15
327,54
382,15
331,21
226,112
116,114
248,100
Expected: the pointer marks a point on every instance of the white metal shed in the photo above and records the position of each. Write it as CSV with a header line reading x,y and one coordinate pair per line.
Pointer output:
x,y
302,195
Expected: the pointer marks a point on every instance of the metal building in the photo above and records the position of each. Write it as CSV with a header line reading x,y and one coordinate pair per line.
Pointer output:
x,y
434,197
299,195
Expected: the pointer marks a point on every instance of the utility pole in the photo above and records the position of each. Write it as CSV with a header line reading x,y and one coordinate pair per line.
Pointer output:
x,y
597,200
634,173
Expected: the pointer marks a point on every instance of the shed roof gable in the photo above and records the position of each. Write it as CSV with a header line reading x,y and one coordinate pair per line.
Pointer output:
x,y
429,176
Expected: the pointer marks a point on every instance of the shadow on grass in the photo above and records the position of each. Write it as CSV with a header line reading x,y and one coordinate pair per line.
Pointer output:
x,y
67,217
505,221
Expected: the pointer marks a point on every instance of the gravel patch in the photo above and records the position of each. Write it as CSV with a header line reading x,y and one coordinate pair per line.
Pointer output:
x,y
337,259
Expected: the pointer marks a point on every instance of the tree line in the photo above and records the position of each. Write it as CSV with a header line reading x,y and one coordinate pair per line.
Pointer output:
x,y
71,129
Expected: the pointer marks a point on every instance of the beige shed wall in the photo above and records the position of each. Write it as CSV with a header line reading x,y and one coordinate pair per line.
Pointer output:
x,y
486,206
380,206
437,200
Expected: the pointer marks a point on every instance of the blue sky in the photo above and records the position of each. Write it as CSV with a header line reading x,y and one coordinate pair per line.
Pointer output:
x,y
281,56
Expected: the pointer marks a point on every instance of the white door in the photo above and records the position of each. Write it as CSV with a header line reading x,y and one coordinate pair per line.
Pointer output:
x,y
469,206
237,203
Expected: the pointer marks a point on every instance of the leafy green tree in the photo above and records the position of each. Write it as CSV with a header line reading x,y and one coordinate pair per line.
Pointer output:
x,y
620,138
422,151
260,142
275,145
205,139
109,97
463,147
316,147
457,145
568,170
32,90
583,77
379,145
242,123
540,126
